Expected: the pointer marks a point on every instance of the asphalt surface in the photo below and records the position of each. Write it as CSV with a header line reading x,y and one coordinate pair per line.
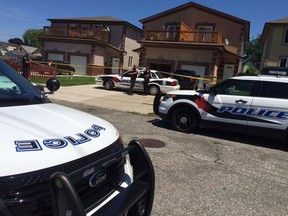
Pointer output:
x,y
211,173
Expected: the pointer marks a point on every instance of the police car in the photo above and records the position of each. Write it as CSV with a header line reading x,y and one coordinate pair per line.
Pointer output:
x,y
248,104
157,83
59,161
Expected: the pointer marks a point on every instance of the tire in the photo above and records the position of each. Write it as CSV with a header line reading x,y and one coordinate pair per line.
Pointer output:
x,y
108,84
154,90
156,103
71,72
184,120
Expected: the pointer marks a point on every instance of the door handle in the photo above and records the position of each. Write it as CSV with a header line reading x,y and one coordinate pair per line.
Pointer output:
x,y
241,101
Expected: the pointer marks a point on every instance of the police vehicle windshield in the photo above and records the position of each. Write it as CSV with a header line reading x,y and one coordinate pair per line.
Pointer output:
x,y
16,90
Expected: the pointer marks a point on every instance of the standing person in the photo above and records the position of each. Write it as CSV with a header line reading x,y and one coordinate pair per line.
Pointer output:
x,y
133,72
147,76
25,66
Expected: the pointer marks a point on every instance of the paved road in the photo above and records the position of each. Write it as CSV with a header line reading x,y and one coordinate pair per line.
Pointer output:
x,y
209,173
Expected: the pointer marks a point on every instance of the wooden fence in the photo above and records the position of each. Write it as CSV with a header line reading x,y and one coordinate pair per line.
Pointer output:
x,y
36,70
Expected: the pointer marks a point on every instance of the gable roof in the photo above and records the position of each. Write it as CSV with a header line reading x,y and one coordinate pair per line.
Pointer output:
x,y
199,7
98,19
279,22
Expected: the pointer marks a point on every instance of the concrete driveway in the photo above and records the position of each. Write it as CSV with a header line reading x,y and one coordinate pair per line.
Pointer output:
x,y
94,95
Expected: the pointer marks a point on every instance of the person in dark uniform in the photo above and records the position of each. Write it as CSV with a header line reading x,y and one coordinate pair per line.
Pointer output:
x,y
133,74
25,66
147,76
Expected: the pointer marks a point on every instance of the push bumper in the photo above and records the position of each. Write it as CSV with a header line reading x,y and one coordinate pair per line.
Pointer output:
x,y
135,199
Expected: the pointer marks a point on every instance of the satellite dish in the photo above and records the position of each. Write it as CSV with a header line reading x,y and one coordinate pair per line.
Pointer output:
x,y
226,41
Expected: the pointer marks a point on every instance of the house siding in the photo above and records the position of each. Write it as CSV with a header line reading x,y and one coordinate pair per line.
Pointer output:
x,y
273,46
224,44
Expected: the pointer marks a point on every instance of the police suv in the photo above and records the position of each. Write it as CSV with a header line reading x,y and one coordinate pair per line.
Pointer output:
x,y
250,104
59,161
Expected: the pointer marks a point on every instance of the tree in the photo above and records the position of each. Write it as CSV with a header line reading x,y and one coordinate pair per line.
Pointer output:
x,y
16,41
32,37
253,50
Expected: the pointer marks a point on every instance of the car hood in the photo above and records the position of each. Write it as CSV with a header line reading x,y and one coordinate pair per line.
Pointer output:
x,y
35,137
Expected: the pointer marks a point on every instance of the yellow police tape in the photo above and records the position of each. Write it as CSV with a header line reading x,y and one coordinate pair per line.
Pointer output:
x,y
120,68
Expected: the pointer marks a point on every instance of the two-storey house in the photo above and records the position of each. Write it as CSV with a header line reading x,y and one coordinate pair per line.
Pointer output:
x,y
275,43
93,45
194,37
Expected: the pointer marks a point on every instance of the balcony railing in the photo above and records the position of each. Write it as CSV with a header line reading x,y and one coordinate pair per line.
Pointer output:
x,y
83,33
212,37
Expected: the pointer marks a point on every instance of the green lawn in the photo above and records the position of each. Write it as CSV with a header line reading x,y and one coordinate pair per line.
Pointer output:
x,y
68,80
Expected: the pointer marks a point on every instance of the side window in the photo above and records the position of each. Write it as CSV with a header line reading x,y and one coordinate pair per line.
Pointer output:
x,y
274,90
235,87
285,40
284,62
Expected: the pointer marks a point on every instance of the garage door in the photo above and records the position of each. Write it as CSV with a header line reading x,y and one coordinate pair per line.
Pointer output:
x,y
200,70
79,63
53,56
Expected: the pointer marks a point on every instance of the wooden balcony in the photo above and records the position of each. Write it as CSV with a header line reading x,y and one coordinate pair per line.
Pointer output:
x,y
212,37
81,33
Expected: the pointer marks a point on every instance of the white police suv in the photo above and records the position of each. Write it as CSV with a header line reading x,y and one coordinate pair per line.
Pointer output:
x,y
250,104
59,161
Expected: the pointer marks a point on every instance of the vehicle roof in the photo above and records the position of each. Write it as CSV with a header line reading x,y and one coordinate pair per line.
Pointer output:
x,y
263,78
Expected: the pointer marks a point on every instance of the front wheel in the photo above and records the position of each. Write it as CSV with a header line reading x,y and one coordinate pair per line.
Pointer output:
x,y
154,90
184,120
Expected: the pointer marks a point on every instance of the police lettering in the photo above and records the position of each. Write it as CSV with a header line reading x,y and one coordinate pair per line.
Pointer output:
x,y
254,112
58,143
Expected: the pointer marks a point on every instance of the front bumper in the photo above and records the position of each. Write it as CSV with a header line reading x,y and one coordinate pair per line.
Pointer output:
x,y
135,199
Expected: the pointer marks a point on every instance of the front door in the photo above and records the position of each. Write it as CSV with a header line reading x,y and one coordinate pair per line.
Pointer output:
x,y
115,65
229,101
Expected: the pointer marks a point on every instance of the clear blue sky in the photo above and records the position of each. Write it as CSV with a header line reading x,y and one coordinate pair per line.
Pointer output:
x,y
17,16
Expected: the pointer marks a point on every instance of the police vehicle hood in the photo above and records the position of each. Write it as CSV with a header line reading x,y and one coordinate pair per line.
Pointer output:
x,y
36,137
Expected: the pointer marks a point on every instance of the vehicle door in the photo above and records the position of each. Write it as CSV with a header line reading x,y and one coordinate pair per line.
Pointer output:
x,y
139,84
229,101
125,80
270,106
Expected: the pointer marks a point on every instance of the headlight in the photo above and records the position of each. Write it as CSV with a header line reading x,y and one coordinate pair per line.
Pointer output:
x,y
168,96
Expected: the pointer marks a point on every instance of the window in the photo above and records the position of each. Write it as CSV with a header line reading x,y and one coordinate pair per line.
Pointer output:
x,y
130,61
203,36
172,31
274,90
286,36
284,62
235,87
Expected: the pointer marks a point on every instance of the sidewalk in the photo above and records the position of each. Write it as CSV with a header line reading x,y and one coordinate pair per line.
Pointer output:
x,y
93,95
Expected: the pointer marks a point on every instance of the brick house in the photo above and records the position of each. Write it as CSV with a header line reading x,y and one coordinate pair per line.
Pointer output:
x,y
275,43
194,37
93,45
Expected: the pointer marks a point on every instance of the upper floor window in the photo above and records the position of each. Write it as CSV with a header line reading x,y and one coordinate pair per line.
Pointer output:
x,y
172,30
286,36
284,62
205,33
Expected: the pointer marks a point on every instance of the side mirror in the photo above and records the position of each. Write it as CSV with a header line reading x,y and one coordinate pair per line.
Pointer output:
x,y
213,91
40,87
52,85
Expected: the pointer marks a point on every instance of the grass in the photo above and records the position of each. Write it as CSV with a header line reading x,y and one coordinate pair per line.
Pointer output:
x,y
68,80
